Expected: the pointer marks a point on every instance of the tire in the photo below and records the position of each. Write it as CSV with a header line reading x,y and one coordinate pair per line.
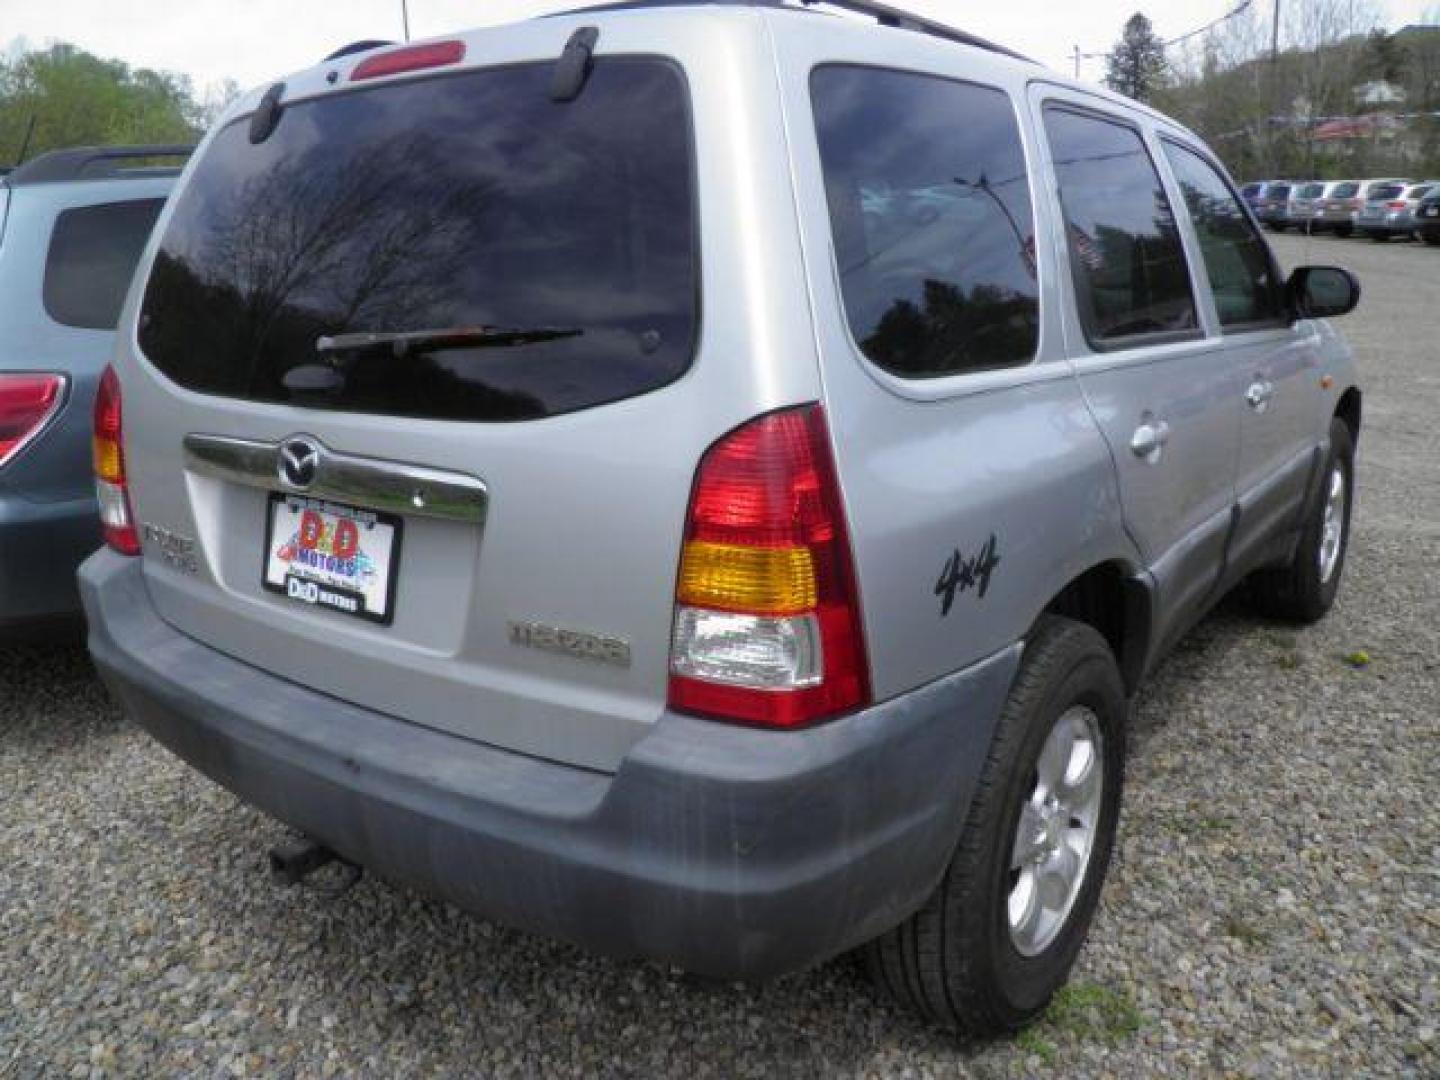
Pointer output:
x,y
1274,226
957,961
1431,239
1379,237
1304,590
1344,230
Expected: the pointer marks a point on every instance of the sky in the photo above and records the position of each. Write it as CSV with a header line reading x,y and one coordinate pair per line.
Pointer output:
x,y
252,41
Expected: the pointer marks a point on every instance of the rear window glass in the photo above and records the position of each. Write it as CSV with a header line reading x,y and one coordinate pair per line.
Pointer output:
x,y
1279,191
1250,190
1310,191
1419,191
92,256
560,238
930,214
1344,191
1387,191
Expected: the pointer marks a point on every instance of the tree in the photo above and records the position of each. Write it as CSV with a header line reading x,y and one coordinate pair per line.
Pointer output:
x,y
1136,67
78,99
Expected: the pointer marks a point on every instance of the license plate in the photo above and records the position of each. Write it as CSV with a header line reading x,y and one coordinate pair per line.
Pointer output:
x,y
327,555
1432,211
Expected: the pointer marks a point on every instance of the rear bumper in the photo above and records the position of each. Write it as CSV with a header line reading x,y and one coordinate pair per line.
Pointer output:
x,y
41,544
729,851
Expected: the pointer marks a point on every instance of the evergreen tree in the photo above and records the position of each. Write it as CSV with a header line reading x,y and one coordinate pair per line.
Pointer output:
x,y
1136,66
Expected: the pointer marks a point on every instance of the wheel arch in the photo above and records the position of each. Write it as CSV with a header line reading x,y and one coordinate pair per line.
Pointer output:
x,y
1348,410
1117,601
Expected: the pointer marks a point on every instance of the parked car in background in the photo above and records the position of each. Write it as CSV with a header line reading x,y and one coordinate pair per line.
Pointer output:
x,y
1339,208
1254,193
1274,206
442,526
1301,208
1427,218
1390,210
72,226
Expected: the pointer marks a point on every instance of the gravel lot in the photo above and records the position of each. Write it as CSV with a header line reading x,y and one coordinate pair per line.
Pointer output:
x,y
1274,907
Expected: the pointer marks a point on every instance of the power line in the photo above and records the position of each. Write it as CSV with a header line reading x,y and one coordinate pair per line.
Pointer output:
x,y
1238,9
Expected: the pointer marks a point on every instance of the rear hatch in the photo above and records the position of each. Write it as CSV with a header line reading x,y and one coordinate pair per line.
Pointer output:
x,y
420,384
1380,198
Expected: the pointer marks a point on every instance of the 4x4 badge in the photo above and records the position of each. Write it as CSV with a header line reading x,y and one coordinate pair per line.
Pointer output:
x,y
960,573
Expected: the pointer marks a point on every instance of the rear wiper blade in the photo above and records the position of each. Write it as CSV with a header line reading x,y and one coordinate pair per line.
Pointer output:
x,y
403,342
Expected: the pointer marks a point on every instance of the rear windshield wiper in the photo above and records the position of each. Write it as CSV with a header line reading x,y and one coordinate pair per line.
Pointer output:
x,y
403,342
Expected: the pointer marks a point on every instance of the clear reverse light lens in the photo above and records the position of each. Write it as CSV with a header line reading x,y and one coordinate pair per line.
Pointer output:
x,y
756,651
114,509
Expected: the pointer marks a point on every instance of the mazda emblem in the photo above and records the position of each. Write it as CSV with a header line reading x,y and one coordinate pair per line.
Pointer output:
x,y
299,461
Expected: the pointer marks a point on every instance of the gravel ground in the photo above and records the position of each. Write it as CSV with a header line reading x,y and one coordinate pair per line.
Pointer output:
x,y
1274,906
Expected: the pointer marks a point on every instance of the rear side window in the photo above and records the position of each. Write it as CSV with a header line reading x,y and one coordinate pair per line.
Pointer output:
x,y
1242,276
448,209
92,256
1131,278
931,218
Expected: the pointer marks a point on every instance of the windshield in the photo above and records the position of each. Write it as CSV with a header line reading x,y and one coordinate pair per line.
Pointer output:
x,y
460,201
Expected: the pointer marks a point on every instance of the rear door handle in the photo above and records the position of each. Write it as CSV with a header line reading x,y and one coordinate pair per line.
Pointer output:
x,y
1149,439
1259,393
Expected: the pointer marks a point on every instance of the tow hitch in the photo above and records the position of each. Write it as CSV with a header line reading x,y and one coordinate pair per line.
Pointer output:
x,y
294,862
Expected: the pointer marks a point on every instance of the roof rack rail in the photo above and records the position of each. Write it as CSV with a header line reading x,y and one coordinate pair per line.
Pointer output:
x,y
883,13
89,163
889,15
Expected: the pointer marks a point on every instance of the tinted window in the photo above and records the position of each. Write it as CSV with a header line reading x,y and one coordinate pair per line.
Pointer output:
x,y
1419,191
93,252
1311,191
1129,267
931,218
1251,190
460,201
1344,191
1387,191
1237,263
1279,191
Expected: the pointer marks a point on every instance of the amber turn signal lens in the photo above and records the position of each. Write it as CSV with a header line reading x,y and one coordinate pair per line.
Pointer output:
x,y
757,580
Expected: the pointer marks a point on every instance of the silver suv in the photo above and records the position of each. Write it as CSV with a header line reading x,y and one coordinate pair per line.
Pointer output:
x,y
703,481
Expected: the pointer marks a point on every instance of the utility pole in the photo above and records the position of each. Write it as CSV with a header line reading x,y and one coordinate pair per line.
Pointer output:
x,y
405,16
1273,105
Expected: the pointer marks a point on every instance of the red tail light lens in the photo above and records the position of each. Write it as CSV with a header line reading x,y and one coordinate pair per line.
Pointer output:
x,y
27,402
767,615
116,521
411,58
1398,204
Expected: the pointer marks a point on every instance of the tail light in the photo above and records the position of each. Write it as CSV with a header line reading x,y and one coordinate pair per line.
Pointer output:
x,y
116,521
27,402
1397,204
767,614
